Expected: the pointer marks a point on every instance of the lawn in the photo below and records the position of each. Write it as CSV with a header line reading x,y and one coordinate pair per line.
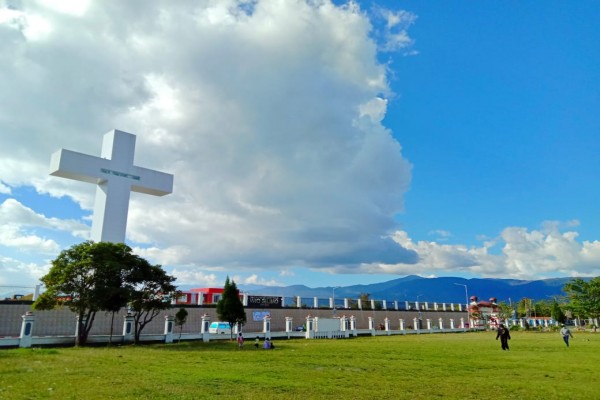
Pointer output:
x,y
448,366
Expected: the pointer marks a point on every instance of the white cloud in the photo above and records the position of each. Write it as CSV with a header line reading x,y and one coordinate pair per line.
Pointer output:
x,y
18,226
14,272
517,253
268,114
523,254
254,279
395,30
191,276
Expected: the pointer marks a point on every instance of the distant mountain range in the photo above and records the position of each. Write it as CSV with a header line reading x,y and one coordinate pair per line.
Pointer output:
x,y
446,289
441,290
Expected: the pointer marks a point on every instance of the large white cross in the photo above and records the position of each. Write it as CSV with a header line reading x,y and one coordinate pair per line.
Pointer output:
x,y
115,176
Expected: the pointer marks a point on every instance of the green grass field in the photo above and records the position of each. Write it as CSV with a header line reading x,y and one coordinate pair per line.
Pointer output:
x,y
444,366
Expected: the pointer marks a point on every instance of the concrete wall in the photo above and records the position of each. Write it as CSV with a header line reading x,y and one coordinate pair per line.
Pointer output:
x,y
63,321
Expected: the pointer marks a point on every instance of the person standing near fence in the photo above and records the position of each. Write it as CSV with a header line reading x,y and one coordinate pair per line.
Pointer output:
x,y
240,340
504,335
565,332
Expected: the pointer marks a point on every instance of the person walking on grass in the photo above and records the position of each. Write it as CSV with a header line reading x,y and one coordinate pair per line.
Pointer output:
x,y
565,332
504,335
240,341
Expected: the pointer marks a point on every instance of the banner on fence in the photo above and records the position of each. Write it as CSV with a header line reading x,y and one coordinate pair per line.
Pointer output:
x,y
260,315
264,301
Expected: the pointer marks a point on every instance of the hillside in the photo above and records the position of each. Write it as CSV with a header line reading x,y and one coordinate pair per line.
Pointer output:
x,y
445,289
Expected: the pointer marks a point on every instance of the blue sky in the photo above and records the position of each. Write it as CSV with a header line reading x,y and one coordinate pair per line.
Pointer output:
x,y
322,144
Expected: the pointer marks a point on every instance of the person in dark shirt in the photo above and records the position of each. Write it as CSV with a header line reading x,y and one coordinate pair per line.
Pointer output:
x,y
504,335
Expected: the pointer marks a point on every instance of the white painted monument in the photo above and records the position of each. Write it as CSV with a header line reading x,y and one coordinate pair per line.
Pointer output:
x,y
115,176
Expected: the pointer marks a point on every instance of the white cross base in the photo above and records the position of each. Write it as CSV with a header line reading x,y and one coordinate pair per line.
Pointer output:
x,y
115,176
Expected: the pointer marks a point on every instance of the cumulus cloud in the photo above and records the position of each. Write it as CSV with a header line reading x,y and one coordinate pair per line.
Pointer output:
x,y
517,252
269,114
194,276
19,224
15,271
254,279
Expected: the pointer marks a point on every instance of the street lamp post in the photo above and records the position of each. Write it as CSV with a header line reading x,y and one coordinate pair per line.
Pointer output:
x,y
467,299
419,309
333,298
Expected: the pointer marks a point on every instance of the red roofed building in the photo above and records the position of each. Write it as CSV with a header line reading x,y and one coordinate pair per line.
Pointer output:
x,y
484,311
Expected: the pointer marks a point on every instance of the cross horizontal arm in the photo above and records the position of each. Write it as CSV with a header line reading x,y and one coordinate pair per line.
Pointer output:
x,y
152,182
78,166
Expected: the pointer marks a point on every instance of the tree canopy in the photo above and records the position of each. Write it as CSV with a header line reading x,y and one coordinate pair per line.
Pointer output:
x,y
230,308
584,297
151,291
91,277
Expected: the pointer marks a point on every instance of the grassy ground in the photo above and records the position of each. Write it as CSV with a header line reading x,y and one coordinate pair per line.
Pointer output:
x,y
448,366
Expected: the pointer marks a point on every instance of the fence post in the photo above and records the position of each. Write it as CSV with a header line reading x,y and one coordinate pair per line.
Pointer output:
x,y
169,319
344,325
128,328
204,328
26,329
310,327
267,326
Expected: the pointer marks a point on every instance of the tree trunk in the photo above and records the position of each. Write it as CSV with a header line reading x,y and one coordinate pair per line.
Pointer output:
x,y
112,323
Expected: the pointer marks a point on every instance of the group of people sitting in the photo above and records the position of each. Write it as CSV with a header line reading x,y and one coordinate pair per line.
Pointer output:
x,y
267,345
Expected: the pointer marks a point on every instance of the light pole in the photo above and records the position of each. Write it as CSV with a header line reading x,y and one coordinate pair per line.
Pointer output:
x,y
333,298
467,299
419,308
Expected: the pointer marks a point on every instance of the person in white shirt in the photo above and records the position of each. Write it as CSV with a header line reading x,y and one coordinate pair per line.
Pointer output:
x,y
566,333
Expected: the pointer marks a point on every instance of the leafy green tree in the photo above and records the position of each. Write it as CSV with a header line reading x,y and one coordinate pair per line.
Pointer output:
x,y
365,300
543,308
87,278
557,312
525,307
584,297
230,308
505,311
150,292
180,319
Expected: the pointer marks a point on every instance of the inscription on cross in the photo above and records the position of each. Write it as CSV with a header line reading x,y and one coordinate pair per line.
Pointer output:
x,y
115,176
